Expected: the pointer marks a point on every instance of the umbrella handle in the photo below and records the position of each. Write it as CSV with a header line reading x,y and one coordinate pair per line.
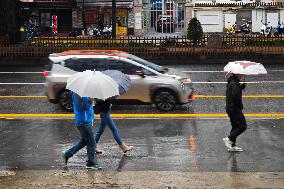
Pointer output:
x,y
227,74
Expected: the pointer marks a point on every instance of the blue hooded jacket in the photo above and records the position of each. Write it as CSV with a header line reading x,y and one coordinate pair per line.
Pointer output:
x,y
83,110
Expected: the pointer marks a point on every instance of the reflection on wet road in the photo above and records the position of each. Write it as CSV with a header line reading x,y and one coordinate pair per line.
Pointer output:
x,y
161,145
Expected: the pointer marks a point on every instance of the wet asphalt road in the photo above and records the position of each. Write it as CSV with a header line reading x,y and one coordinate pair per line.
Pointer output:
x,y
160,144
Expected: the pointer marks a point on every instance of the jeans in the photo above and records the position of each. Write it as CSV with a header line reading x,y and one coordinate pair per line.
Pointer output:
x,y
107,120
239,125
87,139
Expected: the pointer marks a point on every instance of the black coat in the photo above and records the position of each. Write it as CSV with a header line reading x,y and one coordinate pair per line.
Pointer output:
x,y
102,106
234,94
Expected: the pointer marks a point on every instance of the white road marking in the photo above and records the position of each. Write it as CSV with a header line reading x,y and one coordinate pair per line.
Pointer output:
x,y
212,71
223,82
201,71
21,72
194,82
189,71
21,83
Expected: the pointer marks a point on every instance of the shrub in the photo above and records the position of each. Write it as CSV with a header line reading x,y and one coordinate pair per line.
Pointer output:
x,y
194,31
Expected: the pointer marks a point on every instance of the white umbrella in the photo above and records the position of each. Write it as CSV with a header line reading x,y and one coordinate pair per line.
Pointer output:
x,y
245,68
93,84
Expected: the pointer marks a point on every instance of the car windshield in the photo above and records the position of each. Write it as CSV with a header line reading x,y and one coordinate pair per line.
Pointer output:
x,y
148,64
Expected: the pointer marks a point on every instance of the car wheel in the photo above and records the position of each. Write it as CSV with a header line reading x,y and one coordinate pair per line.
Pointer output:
x,y
65,101
165,100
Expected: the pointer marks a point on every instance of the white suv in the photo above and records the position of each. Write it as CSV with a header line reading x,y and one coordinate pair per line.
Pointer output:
x,y
151,83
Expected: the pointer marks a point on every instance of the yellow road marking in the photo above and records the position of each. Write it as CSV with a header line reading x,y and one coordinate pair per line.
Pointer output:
x,y
244,96
279,115
197,96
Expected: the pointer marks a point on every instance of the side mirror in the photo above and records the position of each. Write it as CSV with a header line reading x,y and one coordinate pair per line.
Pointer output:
x,y
140,73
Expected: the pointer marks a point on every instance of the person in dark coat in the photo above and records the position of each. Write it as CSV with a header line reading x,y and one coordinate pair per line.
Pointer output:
x,y
104,109
234,107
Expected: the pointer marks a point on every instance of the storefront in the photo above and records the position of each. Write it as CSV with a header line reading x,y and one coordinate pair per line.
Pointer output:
x,y
99,15
46,18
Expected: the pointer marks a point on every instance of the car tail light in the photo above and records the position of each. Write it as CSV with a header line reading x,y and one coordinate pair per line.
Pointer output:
x,y
45,73
191,98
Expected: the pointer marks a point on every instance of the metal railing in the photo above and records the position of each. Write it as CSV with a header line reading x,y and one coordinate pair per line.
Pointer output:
x,y
149,47
242,4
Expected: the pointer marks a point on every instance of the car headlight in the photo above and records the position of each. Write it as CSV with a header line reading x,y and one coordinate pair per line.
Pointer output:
x,y
186,81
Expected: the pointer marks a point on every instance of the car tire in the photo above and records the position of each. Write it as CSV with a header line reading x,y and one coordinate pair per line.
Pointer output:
x,y
165,100
65,101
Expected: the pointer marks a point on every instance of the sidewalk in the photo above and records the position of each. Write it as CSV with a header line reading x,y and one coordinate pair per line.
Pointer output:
x,y
83,179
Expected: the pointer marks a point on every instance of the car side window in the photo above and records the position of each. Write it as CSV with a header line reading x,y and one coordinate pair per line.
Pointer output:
x,y
83,64
147,72
98,64
72,64
123,66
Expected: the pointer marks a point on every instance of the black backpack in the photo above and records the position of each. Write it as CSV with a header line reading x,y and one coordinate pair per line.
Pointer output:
x,y
102,106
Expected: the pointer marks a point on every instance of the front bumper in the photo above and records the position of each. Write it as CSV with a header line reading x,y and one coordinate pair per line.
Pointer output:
x,y
187,97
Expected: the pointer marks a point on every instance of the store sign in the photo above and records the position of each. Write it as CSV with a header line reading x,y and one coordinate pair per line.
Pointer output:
x,y
138,20
121,31
54,24
121,13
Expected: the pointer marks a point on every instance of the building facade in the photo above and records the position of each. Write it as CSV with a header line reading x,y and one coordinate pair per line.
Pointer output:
x,y
147,17
98,14
47,16
214,17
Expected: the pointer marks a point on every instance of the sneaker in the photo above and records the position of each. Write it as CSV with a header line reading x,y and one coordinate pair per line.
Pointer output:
x,y
228,143
95,166
98,151
129,148
64,157
235,149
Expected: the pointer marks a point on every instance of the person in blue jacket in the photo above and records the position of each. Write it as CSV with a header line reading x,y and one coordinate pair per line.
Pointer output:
x,y
84,117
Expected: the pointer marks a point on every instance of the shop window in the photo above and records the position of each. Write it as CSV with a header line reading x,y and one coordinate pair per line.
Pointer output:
x,y
86,64
45,19
121,17
122,66
91,16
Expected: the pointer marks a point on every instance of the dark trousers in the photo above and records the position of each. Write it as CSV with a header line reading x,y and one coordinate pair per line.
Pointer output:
x,y
239,124
87,139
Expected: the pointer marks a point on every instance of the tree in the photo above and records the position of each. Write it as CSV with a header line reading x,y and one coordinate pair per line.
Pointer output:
x,y
194,31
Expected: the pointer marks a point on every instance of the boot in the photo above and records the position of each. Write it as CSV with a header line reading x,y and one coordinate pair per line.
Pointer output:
x,y
98,150
125,148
